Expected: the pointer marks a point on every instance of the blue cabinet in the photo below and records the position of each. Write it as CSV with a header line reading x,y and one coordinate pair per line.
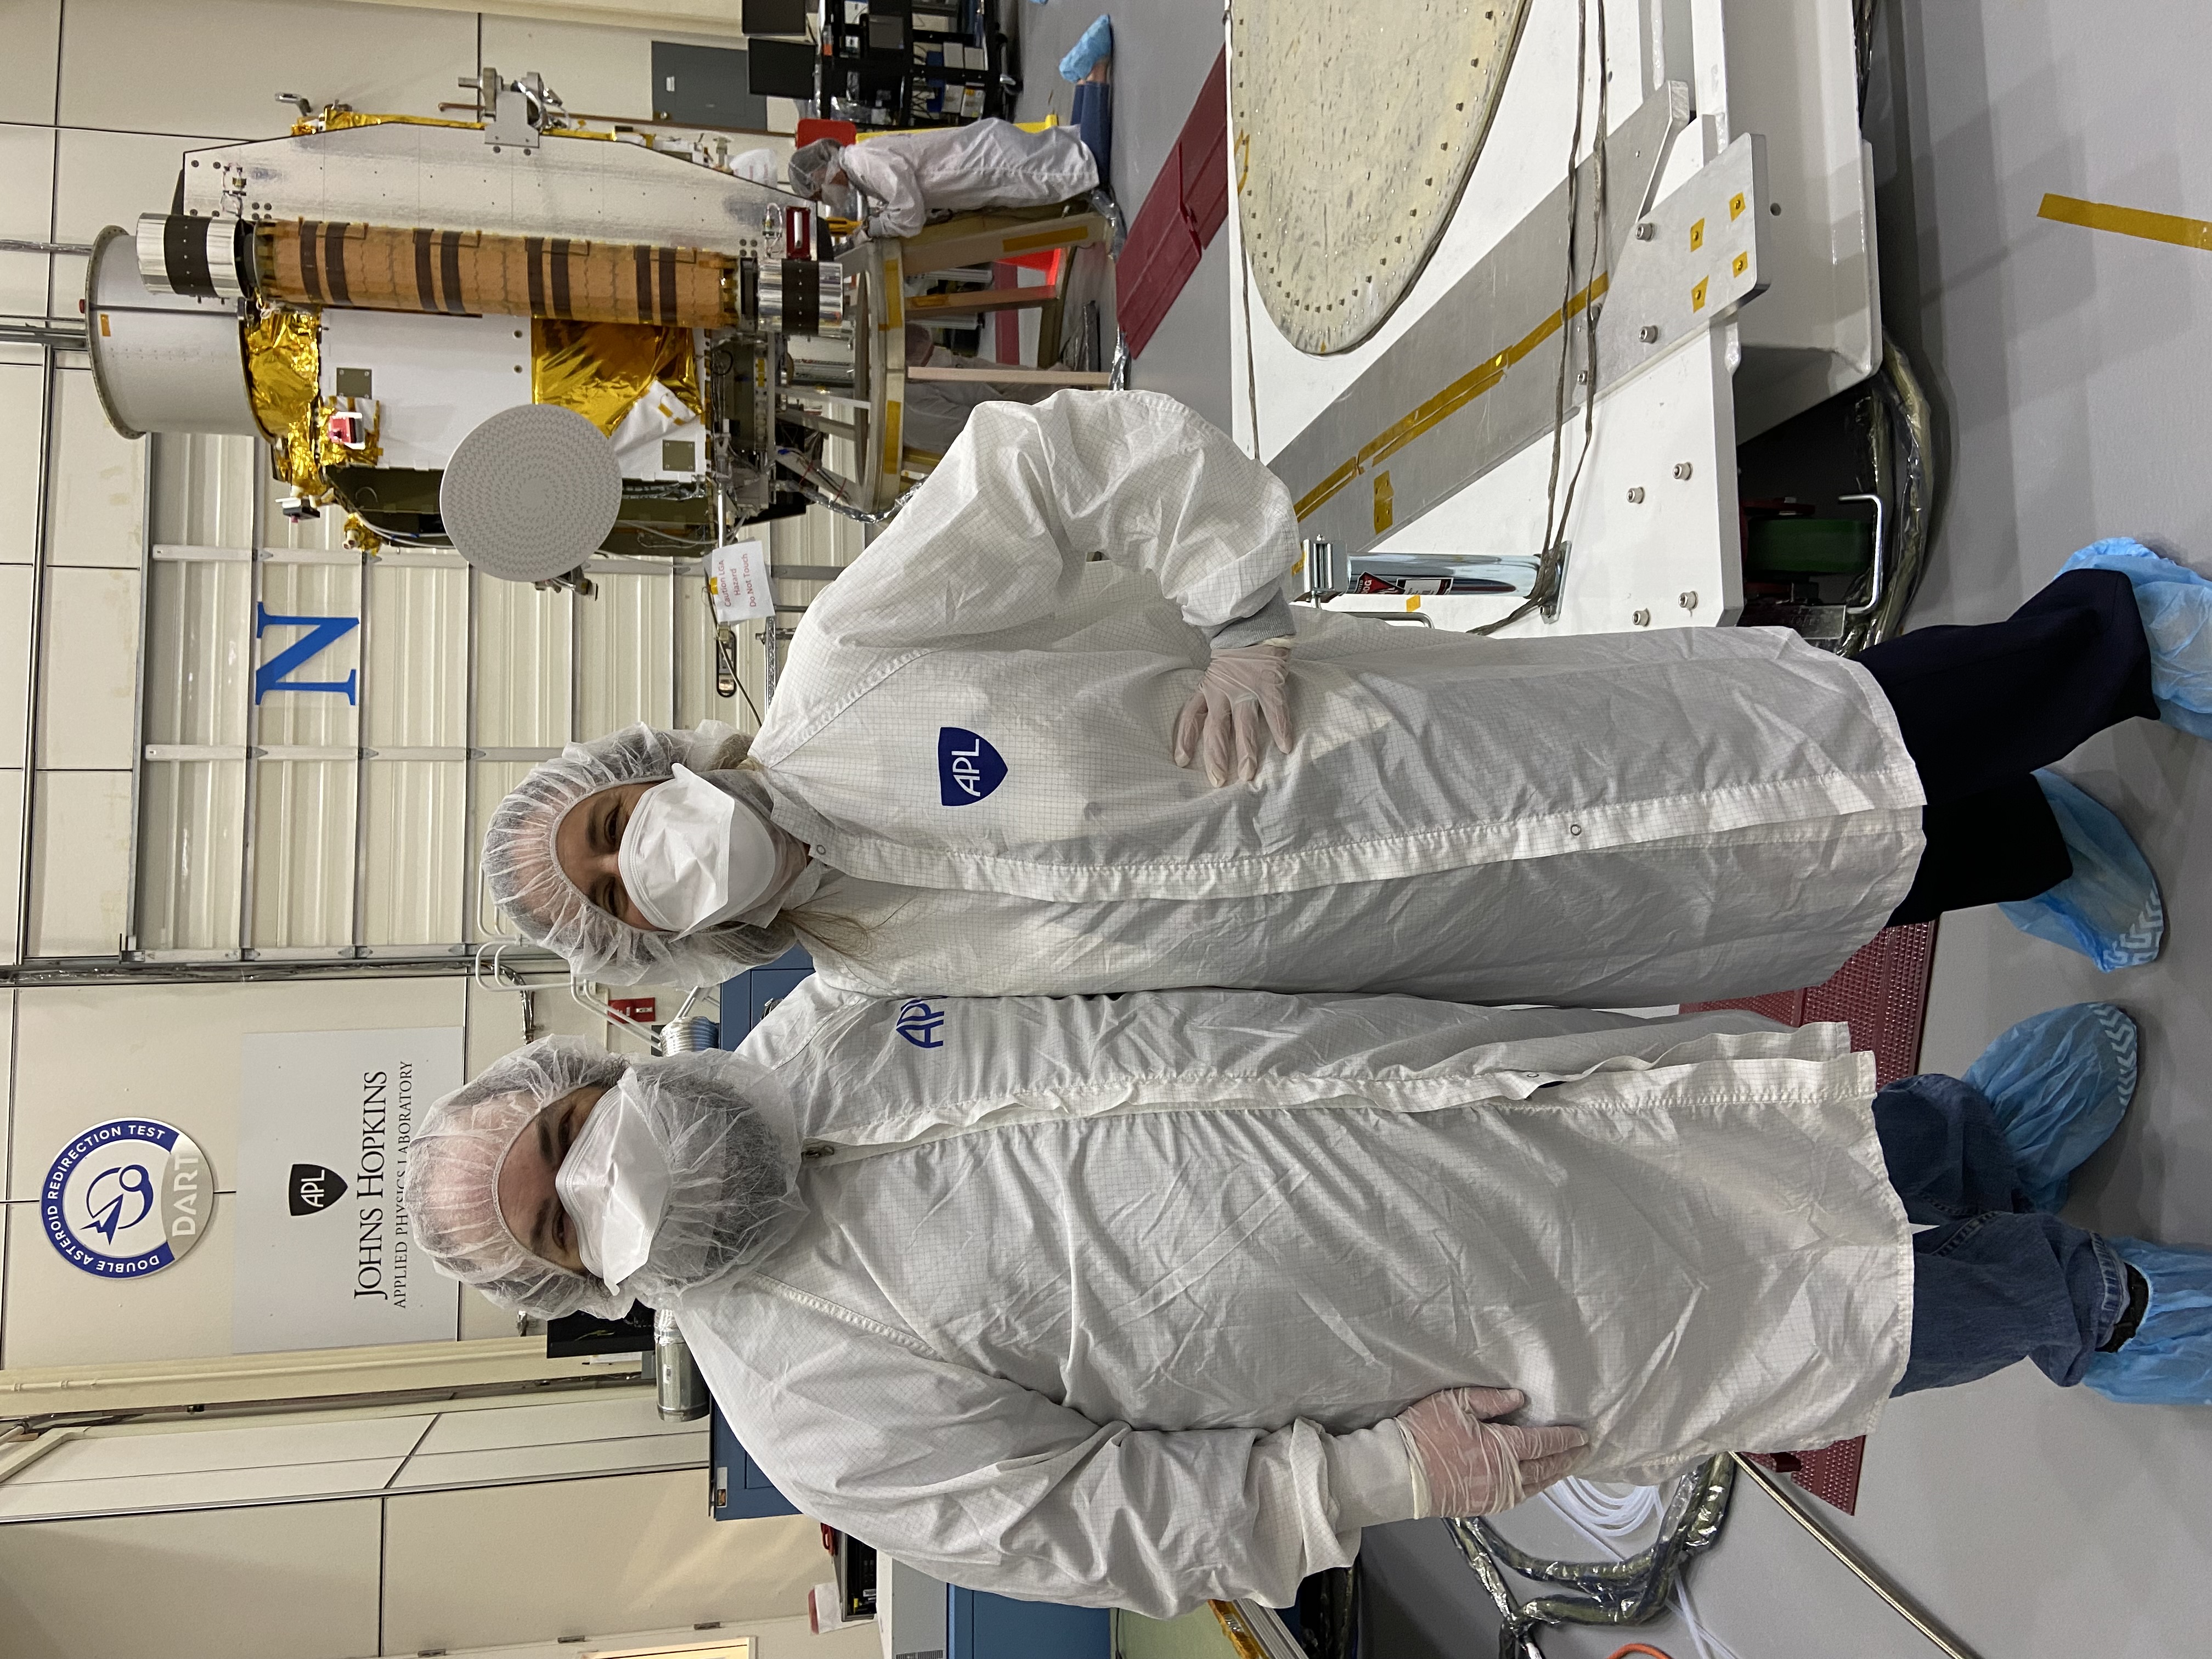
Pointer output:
x,y
978,1626
747,996
737,1490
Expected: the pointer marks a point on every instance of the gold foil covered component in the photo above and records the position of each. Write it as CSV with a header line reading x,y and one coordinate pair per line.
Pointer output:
x,y
283,369
601,369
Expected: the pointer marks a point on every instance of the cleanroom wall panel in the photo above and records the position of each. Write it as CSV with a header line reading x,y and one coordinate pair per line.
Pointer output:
x,y
58,1315
85,1052
303,853
199,664
11,865
493,780
16,588
96,493
415,686
109,177
414,854
295,1581
19,391
89,670
624,654
30,45
518,1564
80,863
203,488
522,667
222,61
26,202
191,816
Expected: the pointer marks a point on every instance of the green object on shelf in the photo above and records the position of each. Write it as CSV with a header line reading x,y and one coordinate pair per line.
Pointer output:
x,y
1810,547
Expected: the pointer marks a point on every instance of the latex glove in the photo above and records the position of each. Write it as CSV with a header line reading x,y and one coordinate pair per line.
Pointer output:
x,y
1464,1464
1243,685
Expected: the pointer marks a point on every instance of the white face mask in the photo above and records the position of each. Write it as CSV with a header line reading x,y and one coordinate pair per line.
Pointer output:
x,y
692,855
614,1183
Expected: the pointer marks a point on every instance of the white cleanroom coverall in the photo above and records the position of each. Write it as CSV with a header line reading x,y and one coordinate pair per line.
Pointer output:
x,y
1100,1299
1611,819
910,175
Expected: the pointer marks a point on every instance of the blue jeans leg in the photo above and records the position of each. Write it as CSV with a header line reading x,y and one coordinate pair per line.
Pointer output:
x,y
1993,1281
1094,120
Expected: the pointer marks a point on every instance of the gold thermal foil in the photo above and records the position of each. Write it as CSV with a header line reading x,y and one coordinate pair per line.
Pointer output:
x,y
283,366
601,369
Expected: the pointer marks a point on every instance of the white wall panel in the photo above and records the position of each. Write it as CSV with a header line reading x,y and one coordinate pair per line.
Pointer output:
x,y
191,821
58,1315
15,660
624,654
11,864
290,1582
222,62
303,853
103,178
97,493
493,780
30,45
89,670
203,489
173,1052
80,863
19,385
199,662
470,1569
522,667
26,198
416,686
415,853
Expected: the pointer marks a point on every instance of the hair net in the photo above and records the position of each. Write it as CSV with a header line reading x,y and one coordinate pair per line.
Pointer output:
x,y
811,166
533,892
732,1150
452,1178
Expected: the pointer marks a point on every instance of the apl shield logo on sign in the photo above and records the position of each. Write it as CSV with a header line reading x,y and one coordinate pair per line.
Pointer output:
x,y
921,1023
968,768
127,1198
313,1190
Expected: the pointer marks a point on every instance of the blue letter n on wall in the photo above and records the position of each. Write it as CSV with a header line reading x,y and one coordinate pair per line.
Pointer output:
x,y
323,632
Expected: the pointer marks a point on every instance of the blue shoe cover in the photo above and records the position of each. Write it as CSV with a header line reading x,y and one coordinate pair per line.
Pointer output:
x,y
2176,603
2061,1083
2109,910
2168,1361
1097,42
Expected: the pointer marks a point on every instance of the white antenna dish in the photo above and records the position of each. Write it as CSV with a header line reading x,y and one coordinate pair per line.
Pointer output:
x,y
532,493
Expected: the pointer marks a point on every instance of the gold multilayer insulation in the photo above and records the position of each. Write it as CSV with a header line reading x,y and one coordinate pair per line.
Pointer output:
x,y
601,369
283,366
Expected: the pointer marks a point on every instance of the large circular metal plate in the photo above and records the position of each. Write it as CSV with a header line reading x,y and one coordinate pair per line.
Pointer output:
x,y
1341,197
530,493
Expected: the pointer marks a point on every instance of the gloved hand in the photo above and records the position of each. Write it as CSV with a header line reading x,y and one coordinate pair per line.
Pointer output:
x,y
1243,684
1467,1466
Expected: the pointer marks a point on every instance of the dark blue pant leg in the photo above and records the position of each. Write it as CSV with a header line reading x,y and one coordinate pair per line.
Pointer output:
x,y
1094,120
1993,1281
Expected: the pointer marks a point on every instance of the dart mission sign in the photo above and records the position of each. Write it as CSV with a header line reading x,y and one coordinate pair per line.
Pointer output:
x,y
127,1198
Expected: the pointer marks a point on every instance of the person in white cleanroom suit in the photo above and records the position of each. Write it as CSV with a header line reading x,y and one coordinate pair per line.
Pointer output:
x,y
892,185
977,773
1145,1300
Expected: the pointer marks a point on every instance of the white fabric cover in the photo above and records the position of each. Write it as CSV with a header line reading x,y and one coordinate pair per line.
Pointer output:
x,y
1095,1297
1610,819
908,176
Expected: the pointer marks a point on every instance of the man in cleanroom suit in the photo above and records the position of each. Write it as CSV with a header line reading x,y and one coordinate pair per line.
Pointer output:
x,y
893,183
981,773
1141,1301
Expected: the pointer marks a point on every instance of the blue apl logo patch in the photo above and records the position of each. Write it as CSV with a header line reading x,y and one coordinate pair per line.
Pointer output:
x,y
968,768
921,1023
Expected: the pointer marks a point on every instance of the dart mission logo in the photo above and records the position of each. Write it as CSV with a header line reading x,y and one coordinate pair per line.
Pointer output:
x,y
127,1198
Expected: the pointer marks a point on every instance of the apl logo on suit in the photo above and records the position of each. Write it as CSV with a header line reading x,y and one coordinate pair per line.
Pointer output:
x,y
968,768
921,1023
